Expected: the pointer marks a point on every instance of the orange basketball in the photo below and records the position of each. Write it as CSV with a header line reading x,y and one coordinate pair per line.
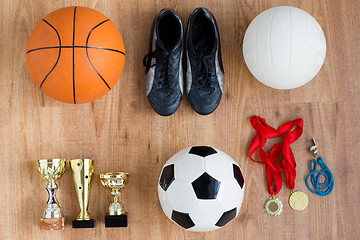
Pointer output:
x,y
75,55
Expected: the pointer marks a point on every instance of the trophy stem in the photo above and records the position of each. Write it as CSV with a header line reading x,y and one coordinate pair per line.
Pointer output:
x,y
116,207
116,194
52,209
51,189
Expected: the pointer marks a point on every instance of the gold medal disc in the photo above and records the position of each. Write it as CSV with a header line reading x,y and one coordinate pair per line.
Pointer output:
x,y
273,206
298,200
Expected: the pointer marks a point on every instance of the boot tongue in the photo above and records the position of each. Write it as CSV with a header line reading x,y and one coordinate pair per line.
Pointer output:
x,y
205,46
169,49
161,45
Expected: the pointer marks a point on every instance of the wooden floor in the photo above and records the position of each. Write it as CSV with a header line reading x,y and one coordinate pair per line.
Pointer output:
x,y
120,131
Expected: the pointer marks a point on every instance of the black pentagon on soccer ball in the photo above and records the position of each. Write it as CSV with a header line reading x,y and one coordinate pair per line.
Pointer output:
x,y
206,187
167,177
202,151
226,217
238,175
183,219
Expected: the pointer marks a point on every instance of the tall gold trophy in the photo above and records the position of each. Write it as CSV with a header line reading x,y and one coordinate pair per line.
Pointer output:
x,y
82,170
51,170
117,216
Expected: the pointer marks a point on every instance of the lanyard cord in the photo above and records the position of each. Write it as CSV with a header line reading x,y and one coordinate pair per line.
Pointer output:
x,y
322,188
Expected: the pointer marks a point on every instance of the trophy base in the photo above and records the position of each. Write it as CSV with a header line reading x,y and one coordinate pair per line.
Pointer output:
x,y
116,220
52,224
83,223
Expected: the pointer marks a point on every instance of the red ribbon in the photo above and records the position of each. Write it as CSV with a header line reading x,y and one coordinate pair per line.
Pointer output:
x,y
291,131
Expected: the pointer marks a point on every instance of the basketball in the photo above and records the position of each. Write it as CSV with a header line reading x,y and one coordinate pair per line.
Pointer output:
x,y
75,55
284,47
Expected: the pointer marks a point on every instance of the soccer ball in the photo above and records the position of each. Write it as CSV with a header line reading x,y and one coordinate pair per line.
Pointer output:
x,y
284,47
201,188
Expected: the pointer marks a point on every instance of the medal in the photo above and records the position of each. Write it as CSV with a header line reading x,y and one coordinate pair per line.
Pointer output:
x,y
291,131
273,206
298,200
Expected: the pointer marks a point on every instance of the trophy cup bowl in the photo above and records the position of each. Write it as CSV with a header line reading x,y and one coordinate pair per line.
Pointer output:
x,y
82,170
51,170
115,181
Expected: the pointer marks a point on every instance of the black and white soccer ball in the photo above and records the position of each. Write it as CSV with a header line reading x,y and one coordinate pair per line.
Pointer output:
x,y
201,188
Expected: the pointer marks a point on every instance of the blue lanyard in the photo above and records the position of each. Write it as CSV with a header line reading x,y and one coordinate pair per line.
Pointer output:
x,y
321,188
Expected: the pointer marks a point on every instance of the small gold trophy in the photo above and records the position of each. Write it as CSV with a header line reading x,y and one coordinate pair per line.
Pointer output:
x,y
117,216
83,170
51,170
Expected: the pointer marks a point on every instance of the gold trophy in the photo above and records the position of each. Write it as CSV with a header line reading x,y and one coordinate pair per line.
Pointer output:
x,y
117,216
83,170
51,170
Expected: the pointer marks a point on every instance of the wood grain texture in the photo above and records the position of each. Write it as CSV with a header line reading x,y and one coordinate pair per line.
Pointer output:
x,y
120,131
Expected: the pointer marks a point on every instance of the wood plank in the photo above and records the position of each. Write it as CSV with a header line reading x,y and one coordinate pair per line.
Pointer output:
x,y
120,131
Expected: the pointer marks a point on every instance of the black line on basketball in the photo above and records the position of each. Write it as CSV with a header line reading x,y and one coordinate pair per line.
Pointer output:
x,y
57,60
87,53
73,55
109,49
101,48
42,48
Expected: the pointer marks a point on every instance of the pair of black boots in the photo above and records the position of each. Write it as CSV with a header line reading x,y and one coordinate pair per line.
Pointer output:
x,y
164,83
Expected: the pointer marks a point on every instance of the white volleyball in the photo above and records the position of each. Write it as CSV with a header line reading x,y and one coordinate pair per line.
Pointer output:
x,y
284,47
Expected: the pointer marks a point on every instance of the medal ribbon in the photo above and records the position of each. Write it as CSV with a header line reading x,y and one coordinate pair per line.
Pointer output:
x,y
291,131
